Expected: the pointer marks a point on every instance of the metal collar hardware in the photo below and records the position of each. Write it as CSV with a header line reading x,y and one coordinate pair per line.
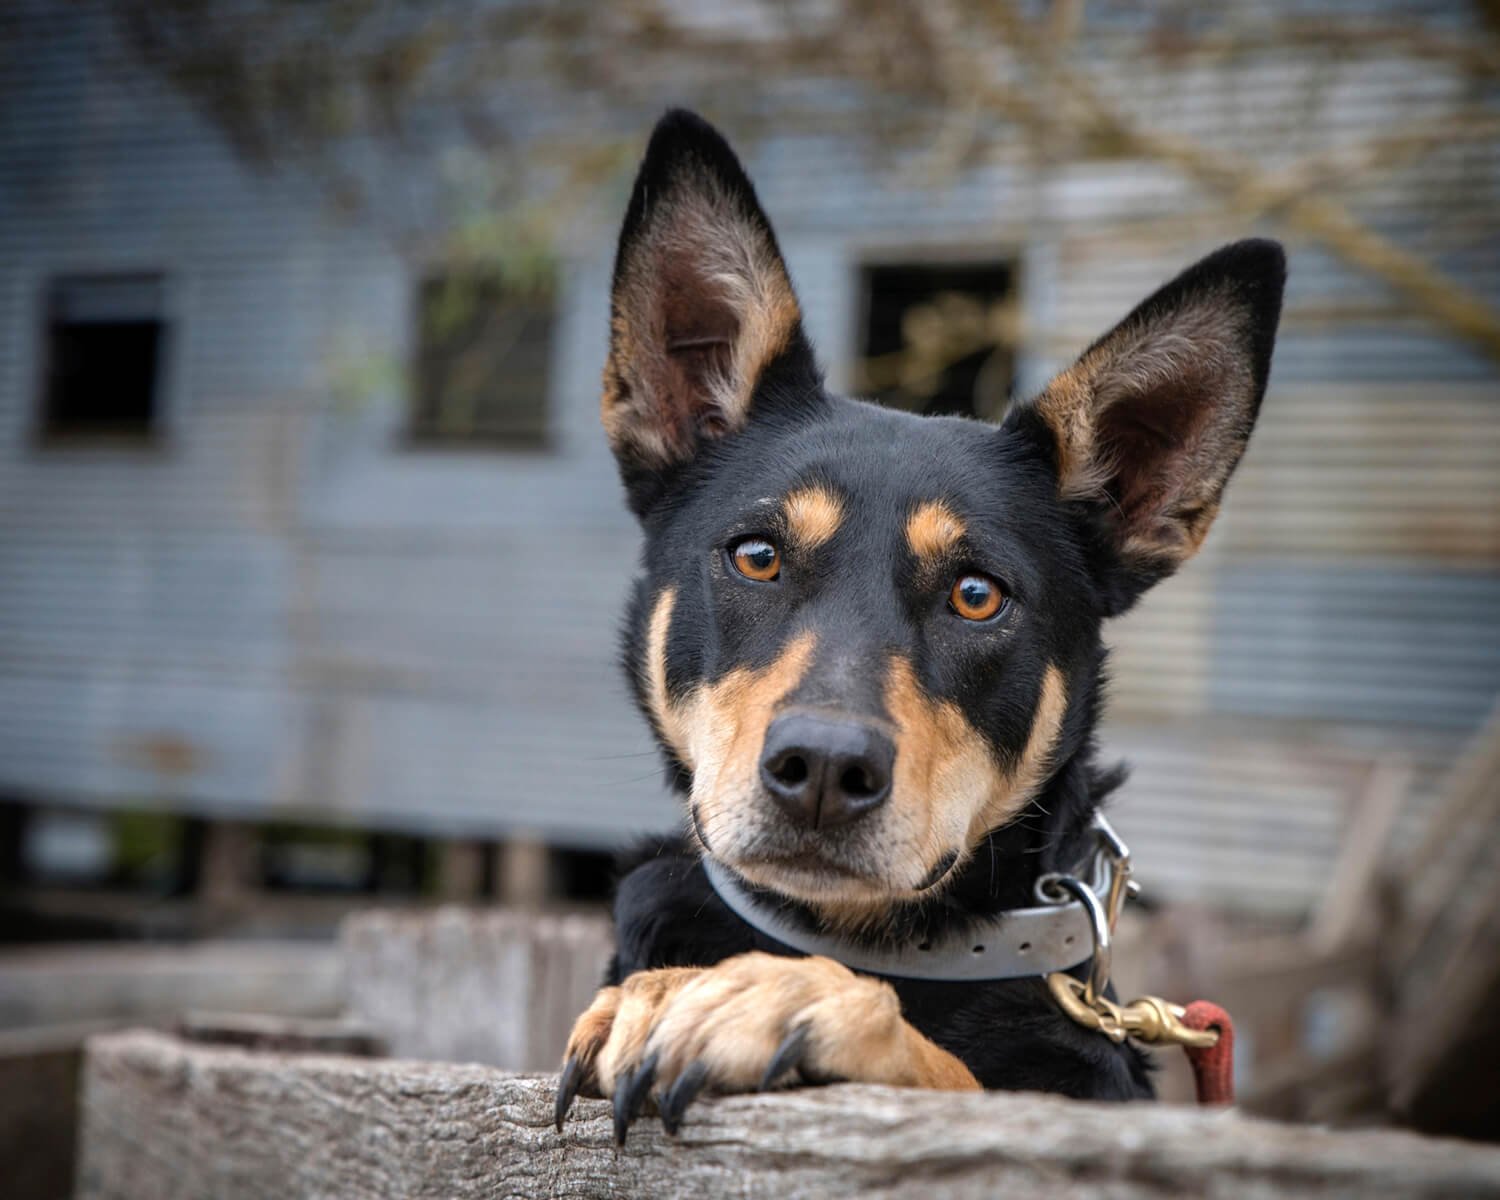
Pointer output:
x,y
1149,1018
1063,931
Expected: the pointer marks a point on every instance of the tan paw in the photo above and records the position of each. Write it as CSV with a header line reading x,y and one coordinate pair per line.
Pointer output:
x,y
750,1023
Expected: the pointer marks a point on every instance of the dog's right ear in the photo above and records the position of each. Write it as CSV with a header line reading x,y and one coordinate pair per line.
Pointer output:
x,y
704,322
1147,426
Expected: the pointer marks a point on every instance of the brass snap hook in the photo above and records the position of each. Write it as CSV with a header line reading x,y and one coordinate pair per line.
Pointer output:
x,y
1103,1014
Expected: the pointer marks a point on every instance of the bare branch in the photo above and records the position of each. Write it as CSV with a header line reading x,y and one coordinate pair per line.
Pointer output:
x,y
966,80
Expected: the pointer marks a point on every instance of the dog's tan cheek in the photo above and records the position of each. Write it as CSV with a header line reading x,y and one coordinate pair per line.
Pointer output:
x,y
667,716
944,767
747,703
717,730
946,771
729,728
1029,772
686,724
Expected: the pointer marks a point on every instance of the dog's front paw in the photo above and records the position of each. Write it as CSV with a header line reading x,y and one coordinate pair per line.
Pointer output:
x,y
750,1023
610,1035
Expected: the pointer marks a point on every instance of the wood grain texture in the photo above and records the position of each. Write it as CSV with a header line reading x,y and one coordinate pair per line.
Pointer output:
x,y
494,986
164,1119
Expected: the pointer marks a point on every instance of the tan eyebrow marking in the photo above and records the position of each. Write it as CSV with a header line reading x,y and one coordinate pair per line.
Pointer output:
x,y
932,529
813,515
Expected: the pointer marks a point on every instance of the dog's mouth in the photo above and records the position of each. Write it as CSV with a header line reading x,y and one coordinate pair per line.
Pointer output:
x,y
940,871
806,865
813,879
822,871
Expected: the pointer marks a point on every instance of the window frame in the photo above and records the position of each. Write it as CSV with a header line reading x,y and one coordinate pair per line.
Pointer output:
x,y
981,251
47,434
418,434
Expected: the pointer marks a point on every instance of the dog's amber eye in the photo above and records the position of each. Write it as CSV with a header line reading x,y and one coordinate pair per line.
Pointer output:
x,y
976,597
756,558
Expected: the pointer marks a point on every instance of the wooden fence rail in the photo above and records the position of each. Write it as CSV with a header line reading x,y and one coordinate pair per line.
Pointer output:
x,y
165,1118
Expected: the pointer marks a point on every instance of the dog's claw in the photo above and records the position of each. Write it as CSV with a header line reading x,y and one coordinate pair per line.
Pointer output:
x,y
788,1055
630,1096
567,1090
684,1091
622,1109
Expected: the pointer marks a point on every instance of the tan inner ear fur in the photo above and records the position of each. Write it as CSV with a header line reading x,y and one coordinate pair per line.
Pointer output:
x,y
1191,353
699,235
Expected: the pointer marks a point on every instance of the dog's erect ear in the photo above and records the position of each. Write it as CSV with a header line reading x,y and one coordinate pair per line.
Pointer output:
x,y
703,307
1149,424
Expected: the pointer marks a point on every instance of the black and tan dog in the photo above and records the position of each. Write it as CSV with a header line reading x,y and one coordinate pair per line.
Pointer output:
x,y
869,646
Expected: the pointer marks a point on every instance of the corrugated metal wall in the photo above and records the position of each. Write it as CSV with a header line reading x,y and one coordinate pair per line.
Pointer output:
x,y
1348,601
282,608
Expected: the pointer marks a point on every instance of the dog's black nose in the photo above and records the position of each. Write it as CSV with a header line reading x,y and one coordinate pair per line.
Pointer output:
x,y
824,773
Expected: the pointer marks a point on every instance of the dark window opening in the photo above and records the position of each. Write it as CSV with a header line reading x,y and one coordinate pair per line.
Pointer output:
x,y
939,338
484,349
105,341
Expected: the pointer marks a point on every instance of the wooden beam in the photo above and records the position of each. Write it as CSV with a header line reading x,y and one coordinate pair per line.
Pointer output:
x,y
165,1119
525,872
494,986
1350,902
39,1073
461,870
229,868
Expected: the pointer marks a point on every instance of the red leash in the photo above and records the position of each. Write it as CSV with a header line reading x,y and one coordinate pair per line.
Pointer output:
x,y
1213,1066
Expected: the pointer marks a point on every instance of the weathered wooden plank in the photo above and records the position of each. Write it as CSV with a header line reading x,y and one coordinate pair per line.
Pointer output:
x,y
493,986
54,985
163,1119
39,1075
306,1035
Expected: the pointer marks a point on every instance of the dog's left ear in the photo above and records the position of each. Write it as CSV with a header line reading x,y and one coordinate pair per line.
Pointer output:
x,y
1147,426
703,313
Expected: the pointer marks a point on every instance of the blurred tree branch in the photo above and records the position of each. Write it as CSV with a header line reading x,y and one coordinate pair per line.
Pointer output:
x,y
553,91
1254,191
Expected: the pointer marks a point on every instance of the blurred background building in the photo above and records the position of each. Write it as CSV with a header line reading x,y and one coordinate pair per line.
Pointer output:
x,y
312,552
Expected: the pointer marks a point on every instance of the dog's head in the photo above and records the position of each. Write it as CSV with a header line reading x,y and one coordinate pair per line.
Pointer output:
x,y
865,638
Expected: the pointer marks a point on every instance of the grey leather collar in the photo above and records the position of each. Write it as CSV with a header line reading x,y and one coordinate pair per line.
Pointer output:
x,y
1051,936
